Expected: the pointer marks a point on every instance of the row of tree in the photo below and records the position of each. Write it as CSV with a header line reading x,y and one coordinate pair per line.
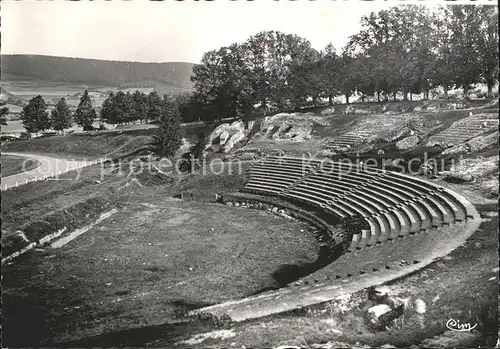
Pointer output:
x,y
118,108
166,111
35,117
405,49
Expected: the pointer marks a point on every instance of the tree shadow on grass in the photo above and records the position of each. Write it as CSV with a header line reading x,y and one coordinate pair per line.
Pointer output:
x,y
167,334
487,207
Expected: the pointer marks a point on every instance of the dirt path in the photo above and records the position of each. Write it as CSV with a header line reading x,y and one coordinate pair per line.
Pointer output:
x,y
49,167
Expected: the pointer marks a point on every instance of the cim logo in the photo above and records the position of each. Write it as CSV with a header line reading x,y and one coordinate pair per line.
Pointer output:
x,y
455,325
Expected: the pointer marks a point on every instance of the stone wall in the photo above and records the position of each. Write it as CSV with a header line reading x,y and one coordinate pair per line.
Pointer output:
x,y
200,197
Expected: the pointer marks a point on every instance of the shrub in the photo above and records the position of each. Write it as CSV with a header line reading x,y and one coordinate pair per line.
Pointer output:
x,y
348,226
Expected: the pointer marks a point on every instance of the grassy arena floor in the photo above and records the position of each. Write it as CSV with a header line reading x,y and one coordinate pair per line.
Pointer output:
x,y
13,164
147,263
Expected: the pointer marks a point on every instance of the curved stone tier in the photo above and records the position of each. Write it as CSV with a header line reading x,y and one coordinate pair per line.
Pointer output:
x,y
393,204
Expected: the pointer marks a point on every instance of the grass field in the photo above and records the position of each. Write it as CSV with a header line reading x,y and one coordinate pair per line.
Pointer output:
x,y
16,126
154,259
13,164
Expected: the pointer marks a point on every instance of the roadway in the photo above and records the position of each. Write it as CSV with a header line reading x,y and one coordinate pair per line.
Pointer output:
x,y
49,167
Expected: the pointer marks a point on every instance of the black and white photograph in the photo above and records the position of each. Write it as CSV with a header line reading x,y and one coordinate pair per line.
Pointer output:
x,y
249,174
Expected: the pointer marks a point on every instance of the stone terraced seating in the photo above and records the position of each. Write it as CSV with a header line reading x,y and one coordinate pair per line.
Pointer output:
x,y
388,215
461,132
273,174
393,205
398,187
414,210
347,139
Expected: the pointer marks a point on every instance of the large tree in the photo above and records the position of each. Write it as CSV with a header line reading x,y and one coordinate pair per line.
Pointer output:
x,y
394,51
269,71
189,109
116,109
488,45
278,56
328,73
221,86
139,106
305,77
34,116
443,61
85,114
466,61
60,118
154,106
168,136
107,109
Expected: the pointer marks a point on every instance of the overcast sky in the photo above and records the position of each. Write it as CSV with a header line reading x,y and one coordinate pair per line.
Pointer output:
x,y
169,31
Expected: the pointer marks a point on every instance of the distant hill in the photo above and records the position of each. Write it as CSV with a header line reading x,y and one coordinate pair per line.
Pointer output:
x,y
173,76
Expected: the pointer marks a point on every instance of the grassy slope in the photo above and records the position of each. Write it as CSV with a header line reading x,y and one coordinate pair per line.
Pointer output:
x,y
91,146
88,146
13,164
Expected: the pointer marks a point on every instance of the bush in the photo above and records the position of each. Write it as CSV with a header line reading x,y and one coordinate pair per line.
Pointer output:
x,y
349,226
354,225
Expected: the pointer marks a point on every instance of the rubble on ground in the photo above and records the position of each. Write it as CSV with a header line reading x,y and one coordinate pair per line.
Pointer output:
x,y
408,142
290,128
225,136
383,307
475,144
216,334
467,170
297,342
328,111
451,339
488,186
281,128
